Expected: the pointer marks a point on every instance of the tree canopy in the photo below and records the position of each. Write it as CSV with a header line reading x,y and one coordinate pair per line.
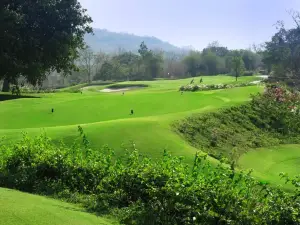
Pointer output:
x,y
282,53
40,37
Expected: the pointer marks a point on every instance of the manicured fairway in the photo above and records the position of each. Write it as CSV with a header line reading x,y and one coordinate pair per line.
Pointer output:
x,y
17,208
106,117
268,163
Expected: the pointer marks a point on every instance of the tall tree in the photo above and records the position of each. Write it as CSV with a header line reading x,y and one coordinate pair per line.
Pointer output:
x,y
192,62
215,48
150,61
237,65
283,51
87,62
106,72
38,37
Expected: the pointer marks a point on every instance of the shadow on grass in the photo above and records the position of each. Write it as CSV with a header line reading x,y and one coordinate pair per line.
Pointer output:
x,y
6,97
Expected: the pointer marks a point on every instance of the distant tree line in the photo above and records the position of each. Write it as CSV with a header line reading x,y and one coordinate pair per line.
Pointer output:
x,y
151,64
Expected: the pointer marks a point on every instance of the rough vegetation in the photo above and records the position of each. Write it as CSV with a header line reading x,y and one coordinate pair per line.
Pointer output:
x,y
203,87
141,191
270,118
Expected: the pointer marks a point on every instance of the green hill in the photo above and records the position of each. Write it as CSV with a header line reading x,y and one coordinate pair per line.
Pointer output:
x,y
107,41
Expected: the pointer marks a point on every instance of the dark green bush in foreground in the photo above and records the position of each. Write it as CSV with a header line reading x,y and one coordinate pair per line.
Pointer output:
x,y
269,119
143,191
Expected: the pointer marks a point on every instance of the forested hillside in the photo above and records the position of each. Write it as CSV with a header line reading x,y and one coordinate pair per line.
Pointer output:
x,y
110,42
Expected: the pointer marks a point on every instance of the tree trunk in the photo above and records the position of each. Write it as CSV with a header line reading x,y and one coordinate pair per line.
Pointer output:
x,y
6,85
89,78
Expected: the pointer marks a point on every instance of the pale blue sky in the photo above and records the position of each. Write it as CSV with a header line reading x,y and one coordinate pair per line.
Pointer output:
x,y
234,23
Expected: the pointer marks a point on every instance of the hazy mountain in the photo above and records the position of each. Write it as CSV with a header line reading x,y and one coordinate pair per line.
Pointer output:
x,y
108,41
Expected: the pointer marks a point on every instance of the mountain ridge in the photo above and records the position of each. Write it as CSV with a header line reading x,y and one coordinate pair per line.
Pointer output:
x,y
110,42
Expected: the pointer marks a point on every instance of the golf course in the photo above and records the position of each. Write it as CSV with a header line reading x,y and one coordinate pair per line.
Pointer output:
x,y
107,120
149,113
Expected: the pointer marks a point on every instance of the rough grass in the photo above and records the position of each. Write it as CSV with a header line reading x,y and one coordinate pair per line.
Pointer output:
x,y
17,208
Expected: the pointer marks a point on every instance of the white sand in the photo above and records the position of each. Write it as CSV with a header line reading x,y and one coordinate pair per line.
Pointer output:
x,y
107,90
263,76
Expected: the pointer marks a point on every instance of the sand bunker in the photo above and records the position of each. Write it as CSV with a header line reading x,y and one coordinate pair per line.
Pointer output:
x,y
107,90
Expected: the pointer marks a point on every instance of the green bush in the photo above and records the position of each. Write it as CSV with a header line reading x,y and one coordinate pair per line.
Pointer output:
x,y
140,190
204,87
36,165
269,119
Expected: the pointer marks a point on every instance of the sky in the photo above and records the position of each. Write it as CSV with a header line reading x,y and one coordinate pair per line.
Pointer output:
x,y
233,23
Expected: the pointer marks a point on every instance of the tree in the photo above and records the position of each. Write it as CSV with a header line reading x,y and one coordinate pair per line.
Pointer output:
x,y
100,59
214,63
106,72
237,65
283,51
128,65
215,48
192,62
150,62
173,65
87,61
38,37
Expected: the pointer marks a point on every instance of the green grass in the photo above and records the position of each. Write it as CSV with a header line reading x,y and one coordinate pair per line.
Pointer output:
x,y
165,85
17,208
106,117
268,163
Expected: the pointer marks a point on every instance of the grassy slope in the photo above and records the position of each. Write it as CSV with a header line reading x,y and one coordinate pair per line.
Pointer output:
x,y
268,163
18,208
106,120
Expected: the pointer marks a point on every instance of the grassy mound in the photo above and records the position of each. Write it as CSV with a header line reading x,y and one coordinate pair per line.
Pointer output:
x,y
18,208
269,119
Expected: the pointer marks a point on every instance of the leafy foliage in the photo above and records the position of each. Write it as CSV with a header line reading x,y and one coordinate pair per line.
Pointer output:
x,y
144,191
238,65
283,53
39,37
